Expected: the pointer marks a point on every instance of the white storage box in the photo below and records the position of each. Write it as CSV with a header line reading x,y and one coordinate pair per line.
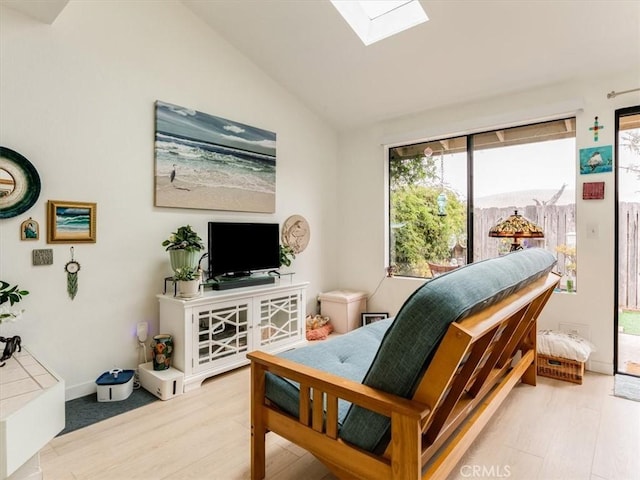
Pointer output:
x,y
115,385
344,308
164,384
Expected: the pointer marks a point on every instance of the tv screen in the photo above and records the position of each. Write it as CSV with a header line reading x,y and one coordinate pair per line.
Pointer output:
x,y
241,248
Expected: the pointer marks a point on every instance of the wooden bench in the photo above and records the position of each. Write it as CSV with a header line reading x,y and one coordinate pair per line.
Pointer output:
x,y
438,269
475,365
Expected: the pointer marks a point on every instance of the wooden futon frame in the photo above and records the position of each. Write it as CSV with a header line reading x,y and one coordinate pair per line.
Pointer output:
x,y
475,366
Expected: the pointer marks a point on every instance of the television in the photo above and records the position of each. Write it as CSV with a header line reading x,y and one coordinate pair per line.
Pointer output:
x,y
238,249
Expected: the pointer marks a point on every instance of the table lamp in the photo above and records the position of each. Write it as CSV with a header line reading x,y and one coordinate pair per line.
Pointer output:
x,y
516,227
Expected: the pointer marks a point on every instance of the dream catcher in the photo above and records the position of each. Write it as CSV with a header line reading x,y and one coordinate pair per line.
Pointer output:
x,y
72,268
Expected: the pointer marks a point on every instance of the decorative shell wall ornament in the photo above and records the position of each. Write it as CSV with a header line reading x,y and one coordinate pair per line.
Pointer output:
x,y
296,233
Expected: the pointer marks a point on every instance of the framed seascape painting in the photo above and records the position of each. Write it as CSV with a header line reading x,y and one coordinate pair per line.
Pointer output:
x,y
71,222
208,162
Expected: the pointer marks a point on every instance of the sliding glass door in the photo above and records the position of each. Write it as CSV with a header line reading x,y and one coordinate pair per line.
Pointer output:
x,y
627,314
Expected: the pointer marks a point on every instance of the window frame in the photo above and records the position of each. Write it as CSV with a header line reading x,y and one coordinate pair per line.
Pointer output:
x,y
470,165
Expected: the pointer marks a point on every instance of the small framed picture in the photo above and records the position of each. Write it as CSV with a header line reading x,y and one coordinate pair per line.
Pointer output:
x,y
596,159
71,222
593,191
29,230
368,318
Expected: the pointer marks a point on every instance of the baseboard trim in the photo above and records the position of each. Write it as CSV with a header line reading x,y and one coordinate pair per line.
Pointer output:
x,y
600,367
80,390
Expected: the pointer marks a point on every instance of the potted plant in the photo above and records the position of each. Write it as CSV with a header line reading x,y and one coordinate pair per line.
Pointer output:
x,y
184,248
11,295
570,266
286,255
188,281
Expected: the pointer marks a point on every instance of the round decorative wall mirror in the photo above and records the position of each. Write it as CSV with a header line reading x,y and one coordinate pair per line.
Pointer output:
x,y
19,183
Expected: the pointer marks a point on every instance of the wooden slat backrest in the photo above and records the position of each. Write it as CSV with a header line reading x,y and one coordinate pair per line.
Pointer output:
x,y
452,395
474,348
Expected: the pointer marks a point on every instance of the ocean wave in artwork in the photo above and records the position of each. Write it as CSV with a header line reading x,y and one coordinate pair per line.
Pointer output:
x,y
208,165
75,223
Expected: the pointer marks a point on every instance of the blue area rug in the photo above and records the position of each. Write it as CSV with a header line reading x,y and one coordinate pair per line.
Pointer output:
x,y
627,386
84,411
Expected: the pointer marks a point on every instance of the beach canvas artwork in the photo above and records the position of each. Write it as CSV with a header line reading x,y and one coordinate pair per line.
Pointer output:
x,y
208,162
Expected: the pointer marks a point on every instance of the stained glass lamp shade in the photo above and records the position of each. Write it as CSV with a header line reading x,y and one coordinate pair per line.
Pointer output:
x,y
516,227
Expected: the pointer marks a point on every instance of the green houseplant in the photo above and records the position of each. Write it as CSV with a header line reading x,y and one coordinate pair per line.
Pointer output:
x,y
188,280
186,274
184,247
10,294
286,255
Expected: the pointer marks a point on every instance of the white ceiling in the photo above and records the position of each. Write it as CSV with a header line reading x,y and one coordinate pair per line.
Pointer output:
x,y
44,10
469,49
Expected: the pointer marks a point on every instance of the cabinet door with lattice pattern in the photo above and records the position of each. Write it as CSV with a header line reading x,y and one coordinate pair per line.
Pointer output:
x,y
279,319
220,333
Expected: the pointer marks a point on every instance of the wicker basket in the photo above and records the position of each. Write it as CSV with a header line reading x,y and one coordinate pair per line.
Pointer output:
x,y
560,368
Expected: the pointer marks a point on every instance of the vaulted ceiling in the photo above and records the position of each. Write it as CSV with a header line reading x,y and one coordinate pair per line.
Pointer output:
x,y
469,49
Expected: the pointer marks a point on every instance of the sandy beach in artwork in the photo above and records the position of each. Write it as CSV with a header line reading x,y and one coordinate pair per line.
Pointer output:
x,y
186,195
81,236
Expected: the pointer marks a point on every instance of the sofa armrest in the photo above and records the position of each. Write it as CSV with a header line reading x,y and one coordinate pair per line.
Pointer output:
x,y
316,429
367,397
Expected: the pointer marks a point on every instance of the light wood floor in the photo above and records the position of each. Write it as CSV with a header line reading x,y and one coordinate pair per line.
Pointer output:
x,y
556,430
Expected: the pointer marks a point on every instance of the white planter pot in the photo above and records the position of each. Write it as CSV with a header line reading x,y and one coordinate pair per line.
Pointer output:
x,y
188,288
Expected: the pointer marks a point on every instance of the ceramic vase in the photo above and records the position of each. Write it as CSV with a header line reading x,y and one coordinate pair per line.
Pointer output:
x,y
161,349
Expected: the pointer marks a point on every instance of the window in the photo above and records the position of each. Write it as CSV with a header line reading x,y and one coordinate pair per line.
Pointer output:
x,y
445,195
376,20
428,205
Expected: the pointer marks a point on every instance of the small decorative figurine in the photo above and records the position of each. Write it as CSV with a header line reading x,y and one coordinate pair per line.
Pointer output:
x,y
12,344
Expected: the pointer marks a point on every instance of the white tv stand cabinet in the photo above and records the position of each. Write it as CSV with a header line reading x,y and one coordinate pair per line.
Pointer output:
x,y
213,333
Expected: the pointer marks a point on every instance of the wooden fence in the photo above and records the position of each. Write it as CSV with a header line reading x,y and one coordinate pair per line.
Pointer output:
x,y
628,248
559,225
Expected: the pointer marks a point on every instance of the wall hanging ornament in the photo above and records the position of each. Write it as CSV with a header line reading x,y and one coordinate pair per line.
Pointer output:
x,y
19,183
442,198
296,233
72,268
595,129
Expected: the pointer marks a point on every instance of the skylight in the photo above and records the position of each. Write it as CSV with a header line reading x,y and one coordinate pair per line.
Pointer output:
x,y
374,20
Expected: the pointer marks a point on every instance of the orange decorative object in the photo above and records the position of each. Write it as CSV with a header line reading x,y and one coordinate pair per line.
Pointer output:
x,y
320,333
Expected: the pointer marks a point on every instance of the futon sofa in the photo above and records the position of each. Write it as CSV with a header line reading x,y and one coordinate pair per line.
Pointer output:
x,y
403,398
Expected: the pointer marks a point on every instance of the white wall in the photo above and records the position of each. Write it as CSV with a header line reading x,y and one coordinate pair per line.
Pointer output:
x,y
363,196
78,101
